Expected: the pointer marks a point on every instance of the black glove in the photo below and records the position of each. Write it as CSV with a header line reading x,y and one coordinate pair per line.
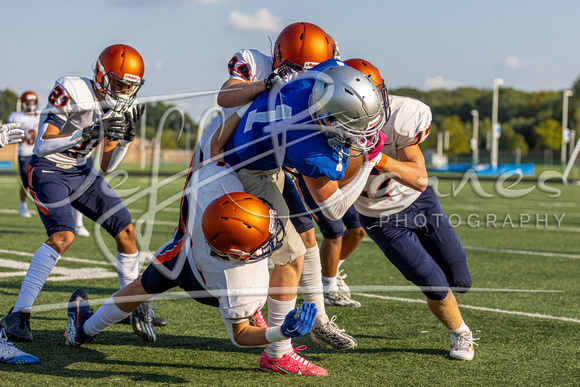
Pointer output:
x,y
91,132
114,127
282,74
132,120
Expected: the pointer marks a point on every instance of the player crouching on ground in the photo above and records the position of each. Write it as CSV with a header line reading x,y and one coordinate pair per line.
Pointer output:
x,y
217,255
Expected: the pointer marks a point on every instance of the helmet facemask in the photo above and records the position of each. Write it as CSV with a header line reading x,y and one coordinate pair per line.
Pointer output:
x,y
347,107
119,93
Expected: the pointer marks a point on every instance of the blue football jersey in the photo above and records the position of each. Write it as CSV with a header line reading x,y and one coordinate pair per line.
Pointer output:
x,y
277,130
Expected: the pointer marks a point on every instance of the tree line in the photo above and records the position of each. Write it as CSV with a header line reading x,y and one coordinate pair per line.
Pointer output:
x,y
530,121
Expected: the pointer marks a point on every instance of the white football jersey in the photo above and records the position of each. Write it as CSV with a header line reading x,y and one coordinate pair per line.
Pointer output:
x,y
73,105
29,124
408,124
248,66
242,288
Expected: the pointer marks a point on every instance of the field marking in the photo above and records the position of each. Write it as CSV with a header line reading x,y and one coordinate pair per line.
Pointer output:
x,y
536,315
524,252
495,250
22,253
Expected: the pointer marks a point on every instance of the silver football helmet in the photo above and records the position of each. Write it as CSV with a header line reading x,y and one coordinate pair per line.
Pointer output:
x,y
347,107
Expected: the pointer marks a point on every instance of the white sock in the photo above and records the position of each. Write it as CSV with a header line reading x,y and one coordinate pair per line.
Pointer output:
x,y
127,268
462,328
340,262
329,284
40,267
22,206
311,283
78,219
107,315
277,311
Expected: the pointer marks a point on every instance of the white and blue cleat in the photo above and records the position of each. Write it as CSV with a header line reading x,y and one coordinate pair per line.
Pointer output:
x,y
9,354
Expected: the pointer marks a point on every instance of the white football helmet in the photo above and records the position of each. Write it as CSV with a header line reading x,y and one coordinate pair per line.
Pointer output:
x,y
347,107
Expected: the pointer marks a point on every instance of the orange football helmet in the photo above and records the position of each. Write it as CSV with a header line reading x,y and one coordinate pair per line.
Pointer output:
x,y
239,225
373,73
28,101
304,45
119,75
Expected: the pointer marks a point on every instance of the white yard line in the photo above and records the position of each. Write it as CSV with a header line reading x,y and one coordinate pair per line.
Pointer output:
x,y
535,315
524,252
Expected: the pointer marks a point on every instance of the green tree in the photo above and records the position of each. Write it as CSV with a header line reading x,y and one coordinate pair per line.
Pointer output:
x,y
8,100
549,134
459,135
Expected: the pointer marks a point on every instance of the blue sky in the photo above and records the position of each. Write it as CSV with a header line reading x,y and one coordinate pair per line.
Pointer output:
x,y
186,44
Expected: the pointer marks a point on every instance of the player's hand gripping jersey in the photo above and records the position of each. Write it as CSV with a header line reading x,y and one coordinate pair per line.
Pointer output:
x,y
72,106
277,130
408,124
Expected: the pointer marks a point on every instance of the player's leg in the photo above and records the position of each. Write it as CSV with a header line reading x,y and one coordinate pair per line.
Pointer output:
x,y
50,191
324,332
351,239
23,162
397,238
442,243
288,259
80,229
100,204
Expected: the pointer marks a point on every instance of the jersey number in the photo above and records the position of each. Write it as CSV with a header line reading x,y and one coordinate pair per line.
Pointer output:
x,y
56,94
243,70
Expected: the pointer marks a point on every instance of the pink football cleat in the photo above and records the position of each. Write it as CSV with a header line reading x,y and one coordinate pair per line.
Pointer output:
x,y
291,363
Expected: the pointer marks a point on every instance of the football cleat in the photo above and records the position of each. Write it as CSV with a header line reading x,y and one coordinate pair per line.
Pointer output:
x,y
334,298
258,320
462,346
330,335
291,363
11,355
17,326
342,286
78,312
82,231
142,322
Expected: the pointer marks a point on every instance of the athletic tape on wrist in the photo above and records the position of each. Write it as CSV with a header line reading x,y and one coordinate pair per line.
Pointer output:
x,y
275,334
382,161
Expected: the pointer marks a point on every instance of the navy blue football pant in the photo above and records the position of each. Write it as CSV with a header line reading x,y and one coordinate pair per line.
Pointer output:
x,y
55,190
423,246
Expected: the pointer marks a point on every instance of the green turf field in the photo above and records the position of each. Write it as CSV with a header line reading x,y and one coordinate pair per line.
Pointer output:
x,y
523,252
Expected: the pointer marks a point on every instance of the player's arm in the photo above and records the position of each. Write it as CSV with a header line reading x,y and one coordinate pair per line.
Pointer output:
x,y
409,170
297,323
334,200
49,140
223,134
236,92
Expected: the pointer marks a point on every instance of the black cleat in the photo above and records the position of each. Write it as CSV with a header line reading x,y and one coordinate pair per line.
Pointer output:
x,y
17,326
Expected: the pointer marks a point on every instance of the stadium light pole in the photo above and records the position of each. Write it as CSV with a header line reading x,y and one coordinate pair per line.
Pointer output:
x,y
565,130
474,140
495,128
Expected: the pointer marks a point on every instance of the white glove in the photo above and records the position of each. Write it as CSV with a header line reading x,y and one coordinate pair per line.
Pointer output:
x,y
10,134
281,75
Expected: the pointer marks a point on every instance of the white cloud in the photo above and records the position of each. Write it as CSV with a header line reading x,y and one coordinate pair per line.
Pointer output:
x,y
440,83
515,63
262,20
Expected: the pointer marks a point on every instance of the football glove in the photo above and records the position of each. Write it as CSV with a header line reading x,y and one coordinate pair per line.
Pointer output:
x,y
378,147
281,75
10,134
132,118
298,323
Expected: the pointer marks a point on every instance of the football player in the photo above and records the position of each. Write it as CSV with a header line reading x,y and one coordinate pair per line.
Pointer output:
x,y
218,255
28,118
311,124
81,113
401,213
298,47
10,134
